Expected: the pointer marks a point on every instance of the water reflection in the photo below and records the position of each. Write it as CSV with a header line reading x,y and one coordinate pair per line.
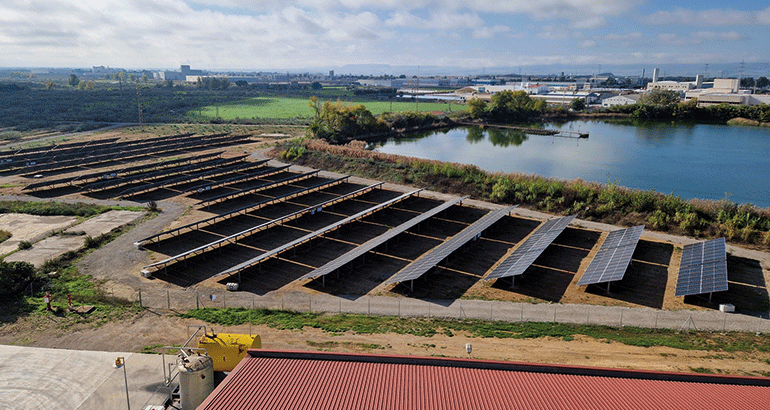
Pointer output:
x,y
506,138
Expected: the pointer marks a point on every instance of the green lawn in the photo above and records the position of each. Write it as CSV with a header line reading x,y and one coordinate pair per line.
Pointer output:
x,y
279,107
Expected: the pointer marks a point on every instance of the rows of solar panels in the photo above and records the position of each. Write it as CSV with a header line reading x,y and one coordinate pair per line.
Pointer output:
x,y
101,153
608,265
235,189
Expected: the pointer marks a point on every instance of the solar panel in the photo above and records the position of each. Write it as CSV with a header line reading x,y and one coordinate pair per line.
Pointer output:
x,y
613,257
530,250
427,261
375,242
235,237
703,268
242,210
254,261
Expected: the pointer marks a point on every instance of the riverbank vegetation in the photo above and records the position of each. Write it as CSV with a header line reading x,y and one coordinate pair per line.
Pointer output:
x,y
608,203
339,122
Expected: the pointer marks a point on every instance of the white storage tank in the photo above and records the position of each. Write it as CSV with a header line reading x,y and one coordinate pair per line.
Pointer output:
x,y
196,380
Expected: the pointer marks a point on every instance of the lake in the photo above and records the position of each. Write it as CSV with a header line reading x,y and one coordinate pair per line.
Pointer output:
x,y
690,160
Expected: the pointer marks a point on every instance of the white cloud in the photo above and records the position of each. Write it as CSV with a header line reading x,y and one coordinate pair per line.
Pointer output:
x,y
588,44
700,37
490,32
711,17
589,23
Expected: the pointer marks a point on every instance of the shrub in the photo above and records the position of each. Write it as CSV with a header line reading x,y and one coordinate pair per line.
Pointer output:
x,y
24,245
15,276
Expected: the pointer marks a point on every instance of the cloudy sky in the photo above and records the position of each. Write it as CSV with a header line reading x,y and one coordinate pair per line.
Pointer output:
x,y
270,34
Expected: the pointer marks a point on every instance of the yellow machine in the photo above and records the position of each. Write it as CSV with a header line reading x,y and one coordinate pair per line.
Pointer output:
x,y
227,349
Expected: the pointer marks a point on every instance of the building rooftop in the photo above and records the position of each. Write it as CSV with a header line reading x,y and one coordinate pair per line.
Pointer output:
x,y
314,380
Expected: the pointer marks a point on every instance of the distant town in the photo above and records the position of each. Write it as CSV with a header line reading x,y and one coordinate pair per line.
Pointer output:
x,y
598,89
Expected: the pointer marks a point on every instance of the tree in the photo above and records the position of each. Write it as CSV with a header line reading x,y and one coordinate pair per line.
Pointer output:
x,y
477,107
660,97
578,104
74,80
145,78
48,85
762,82
747,82
316,85
241,83
132,77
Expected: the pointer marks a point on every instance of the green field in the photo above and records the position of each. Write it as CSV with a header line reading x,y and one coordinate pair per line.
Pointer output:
x,y
284,108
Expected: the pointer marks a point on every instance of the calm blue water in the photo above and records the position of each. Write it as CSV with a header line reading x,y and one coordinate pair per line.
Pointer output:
x,y
692,161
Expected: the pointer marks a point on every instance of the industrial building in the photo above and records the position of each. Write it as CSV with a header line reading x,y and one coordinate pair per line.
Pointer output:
x,y
623,99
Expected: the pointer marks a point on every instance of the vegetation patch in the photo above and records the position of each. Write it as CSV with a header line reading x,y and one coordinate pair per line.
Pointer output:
x,y
57,208
362,324
4,235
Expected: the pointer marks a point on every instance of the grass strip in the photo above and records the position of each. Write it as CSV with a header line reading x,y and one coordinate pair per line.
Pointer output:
x,y
363,324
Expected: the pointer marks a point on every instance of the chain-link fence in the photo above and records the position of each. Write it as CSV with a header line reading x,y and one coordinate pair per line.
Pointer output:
x,y
458,309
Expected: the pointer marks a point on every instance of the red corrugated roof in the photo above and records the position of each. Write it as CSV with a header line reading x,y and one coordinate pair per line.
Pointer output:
x,y
313,380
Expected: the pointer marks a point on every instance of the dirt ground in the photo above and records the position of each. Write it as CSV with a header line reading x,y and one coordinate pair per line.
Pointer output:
x,y
149,328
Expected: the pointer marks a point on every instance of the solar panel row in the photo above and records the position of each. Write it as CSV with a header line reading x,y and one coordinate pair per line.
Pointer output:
x,y
703,268
242,210
613,257
233,238
254,261
427,261
375,242
530,250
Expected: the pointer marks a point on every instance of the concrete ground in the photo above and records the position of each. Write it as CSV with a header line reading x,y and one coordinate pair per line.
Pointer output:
x,y
30,228
105,222
54,246
38,378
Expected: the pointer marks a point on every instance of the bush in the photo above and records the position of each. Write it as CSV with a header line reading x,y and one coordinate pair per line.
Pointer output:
x,y
24,245
4,235
15,276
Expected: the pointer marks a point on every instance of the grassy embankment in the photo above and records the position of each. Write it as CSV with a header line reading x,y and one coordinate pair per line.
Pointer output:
x,y
608,203
363,324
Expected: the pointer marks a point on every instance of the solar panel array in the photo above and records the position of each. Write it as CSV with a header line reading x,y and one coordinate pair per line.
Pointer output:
x,y
427,261
533,246
375,242
235,237
703,268
613,257
254,261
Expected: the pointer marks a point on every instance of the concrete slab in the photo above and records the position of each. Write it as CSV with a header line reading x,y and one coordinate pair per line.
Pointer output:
x,y
47,249
38,378
30,228
105,222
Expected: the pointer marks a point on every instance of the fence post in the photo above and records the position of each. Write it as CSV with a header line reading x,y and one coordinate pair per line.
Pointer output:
x,y
656,320
224,300
554,313
399,307
588,315
310,306
168,299
197,300
621,319
140,298
521,316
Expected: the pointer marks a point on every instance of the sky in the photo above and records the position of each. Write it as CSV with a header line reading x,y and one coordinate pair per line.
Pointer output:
x,y
305,34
